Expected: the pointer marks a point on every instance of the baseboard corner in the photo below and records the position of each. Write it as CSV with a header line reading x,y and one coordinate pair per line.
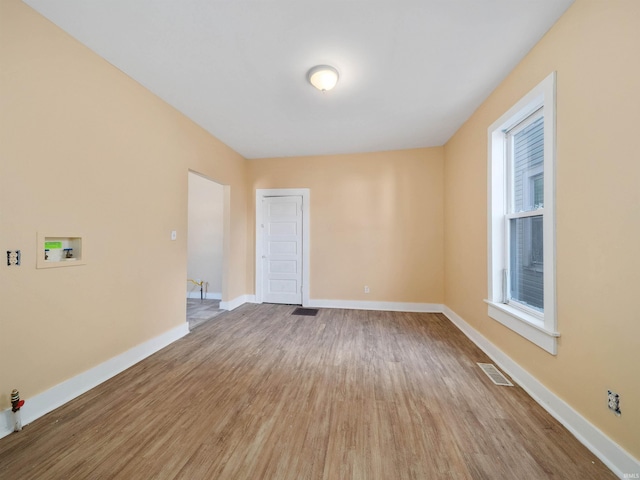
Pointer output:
x,y
237,302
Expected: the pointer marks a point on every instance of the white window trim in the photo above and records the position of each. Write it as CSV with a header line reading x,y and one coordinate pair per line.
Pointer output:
x,y
539,329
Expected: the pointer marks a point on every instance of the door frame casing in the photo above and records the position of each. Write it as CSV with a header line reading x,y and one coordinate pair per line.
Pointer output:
x,y
261,194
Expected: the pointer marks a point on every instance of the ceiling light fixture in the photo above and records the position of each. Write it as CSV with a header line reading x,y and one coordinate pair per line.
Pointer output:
x,y
323,77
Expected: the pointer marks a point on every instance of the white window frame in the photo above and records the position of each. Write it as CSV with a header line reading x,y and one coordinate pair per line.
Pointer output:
x,y
539,328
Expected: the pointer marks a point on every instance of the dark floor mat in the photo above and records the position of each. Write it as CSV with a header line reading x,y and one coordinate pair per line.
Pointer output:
x,y
309,312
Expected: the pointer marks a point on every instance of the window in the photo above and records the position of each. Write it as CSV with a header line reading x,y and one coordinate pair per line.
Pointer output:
x,y
522,217
525,212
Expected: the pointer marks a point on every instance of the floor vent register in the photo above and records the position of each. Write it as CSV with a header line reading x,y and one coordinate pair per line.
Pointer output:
x,y
308,312
495,375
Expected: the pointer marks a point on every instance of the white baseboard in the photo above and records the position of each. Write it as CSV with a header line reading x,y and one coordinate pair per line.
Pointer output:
x,y
208,295
238,301
43,403
384,306
611,454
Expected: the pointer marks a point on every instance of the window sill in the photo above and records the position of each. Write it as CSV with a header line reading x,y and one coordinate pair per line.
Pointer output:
x,y
524,324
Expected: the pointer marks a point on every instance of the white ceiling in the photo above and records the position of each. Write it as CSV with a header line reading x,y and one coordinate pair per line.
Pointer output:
x,y
411,72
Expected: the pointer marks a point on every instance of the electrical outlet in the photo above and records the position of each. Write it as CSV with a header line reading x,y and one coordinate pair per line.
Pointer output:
x,y
13,257
613,402
366,289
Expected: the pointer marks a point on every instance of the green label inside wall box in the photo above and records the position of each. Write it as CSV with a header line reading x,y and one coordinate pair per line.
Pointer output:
x,y
52,245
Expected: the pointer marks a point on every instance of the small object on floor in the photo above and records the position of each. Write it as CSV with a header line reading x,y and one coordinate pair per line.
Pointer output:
x,y
308,312
16,403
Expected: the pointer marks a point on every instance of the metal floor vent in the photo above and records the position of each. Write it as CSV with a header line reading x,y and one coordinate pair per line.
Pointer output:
x,y
495,375
309,312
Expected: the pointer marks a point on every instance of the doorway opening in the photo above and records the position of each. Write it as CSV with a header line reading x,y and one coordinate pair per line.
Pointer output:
x,y
282,246
205,248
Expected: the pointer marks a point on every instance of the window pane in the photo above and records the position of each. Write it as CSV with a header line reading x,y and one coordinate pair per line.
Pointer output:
x,y
527,264
527,169
538,191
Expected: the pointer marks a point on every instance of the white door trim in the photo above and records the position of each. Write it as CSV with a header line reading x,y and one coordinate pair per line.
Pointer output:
x,y
261,193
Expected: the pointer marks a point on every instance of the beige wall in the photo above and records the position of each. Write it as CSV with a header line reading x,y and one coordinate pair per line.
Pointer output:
x,y
205,239
594,48
85,149
376,220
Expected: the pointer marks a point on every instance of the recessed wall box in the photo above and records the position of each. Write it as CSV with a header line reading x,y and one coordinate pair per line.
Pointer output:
x,y
59,251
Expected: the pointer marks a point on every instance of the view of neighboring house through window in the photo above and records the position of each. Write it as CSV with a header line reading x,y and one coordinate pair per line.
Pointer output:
x,y
525,143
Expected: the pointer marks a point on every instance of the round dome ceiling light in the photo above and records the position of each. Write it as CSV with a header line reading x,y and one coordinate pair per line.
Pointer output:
x,y
323,77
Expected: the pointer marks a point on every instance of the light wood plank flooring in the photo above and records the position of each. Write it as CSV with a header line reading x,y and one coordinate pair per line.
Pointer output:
x,y
260,394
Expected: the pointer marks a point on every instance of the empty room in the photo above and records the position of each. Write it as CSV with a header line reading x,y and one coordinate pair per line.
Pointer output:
x,y
427,222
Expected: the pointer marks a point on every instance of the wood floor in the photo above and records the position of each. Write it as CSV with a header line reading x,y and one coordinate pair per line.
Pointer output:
x,y
200,311
260,394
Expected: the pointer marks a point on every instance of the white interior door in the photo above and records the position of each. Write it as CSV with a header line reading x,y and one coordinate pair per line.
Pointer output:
x,y
282,250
